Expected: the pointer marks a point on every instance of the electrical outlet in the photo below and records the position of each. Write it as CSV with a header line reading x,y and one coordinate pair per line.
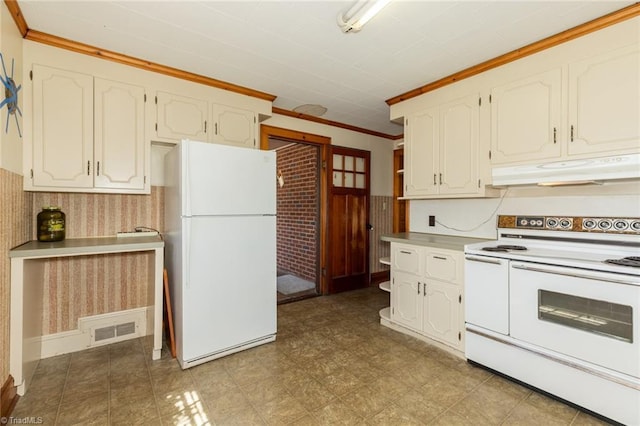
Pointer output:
x,y
432,221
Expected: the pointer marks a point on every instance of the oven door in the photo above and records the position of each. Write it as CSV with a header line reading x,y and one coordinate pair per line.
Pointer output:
x,y
588,315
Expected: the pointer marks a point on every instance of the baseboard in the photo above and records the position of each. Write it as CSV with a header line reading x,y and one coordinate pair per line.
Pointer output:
x,y
84,336
379,277
8,397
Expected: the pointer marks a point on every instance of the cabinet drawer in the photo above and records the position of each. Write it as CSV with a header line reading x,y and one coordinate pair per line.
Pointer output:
x,y
406,258
444,266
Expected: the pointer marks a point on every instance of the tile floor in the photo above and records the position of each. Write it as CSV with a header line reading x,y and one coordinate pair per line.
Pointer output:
x,y
331,364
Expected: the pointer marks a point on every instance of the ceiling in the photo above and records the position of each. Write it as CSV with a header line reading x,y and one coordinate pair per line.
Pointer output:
x,y
293,49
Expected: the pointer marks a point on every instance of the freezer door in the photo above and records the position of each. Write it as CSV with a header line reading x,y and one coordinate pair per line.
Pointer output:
x,y
229,283
227,180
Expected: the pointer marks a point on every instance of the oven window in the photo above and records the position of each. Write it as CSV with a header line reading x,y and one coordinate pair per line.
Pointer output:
x,y
595,316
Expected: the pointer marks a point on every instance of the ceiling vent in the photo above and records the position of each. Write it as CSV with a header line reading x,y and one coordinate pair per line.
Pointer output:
x,y
311,109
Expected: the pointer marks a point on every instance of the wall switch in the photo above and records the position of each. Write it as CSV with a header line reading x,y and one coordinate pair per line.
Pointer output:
x,y
432,221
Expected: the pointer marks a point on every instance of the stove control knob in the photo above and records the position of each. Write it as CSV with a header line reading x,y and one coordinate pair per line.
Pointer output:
x,y
604,224
635,225
588,224
620,225
552,222
566,223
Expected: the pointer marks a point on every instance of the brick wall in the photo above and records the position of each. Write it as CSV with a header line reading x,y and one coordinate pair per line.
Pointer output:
x,y
298,205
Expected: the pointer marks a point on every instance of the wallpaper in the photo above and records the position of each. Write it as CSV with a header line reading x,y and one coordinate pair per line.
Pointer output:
x,y
15,229
81,286
381,217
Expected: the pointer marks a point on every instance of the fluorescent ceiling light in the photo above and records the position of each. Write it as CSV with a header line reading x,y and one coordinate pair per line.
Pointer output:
x,y
359,14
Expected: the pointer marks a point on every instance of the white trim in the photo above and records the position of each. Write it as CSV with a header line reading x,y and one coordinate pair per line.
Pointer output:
x,y
81,338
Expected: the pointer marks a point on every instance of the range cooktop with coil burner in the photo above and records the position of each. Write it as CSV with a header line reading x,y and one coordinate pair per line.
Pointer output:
x,y
608,244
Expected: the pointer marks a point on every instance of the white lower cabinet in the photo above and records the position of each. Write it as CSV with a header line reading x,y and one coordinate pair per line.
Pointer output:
x,y
426,294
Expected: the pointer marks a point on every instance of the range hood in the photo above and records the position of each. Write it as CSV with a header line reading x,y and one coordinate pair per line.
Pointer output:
x,y
569,172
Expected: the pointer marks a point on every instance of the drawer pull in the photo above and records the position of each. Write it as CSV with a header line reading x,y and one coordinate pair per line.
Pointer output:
x,y
493,262
405,252
439,257
418,287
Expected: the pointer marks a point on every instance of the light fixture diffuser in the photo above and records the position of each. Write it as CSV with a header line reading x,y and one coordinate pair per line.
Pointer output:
x,y
359,14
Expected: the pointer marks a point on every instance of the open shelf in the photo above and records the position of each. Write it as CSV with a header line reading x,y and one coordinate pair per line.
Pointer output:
x,y
386,286
385,261
385,313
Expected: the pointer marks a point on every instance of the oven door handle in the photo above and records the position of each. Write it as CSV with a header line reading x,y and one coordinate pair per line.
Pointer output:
x,y
570,274
476,259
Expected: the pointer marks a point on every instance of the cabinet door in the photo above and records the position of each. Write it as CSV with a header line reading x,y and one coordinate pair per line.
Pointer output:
x,y
234,126
406,300
181,117
421,153
119,145
62,128
442,303
458,152
525,119
604,106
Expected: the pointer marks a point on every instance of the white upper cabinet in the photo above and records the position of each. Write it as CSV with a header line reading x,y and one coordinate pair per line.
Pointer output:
x,y
234,126
458,148
119,144
441,151
604,103
62,130
181,117
421,153
526,118
88,134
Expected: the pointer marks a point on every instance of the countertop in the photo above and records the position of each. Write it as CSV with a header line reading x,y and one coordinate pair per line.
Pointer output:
x,y
78,246
447,242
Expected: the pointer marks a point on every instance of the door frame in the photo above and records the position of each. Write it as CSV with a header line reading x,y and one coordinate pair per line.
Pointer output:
x,y
323,143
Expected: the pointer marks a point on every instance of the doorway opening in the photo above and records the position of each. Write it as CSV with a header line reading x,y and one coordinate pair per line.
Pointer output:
x,y
299,205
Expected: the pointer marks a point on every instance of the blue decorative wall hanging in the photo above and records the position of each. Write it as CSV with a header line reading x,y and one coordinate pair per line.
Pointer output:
x,y
10,96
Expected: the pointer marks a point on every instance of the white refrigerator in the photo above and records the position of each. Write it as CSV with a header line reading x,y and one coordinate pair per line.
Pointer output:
x,y
220,235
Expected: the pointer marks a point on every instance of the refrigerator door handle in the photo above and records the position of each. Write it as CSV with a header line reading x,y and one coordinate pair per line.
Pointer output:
x,y
187,252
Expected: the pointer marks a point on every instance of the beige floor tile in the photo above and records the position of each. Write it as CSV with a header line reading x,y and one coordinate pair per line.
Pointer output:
x,y
585,419
242,417
332,364
259,393
311,393
491,402
450,418
366,401
418,406
394,415
91,410
282,410
337,413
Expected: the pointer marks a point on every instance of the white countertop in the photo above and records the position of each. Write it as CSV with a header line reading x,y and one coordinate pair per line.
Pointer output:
x,y
79,246
448,242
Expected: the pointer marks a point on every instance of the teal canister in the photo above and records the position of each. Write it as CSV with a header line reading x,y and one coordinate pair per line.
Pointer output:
x,y
51,224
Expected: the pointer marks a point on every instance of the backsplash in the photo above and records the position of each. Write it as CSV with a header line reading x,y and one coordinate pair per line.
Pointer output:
x,y
81,286
15,229
477,217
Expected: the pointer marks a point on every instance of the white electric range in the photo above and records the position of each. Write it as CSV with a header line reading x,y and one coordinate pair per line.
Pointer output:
x,y
555,302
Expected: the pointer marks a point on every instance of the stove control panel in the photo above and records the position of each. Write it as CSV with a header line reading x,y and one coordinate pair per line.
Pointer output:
x,y
614,225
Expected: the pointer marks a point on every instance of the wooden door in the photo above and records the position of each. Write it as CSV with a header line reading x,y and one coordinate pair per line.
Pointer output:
x,y
348,255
